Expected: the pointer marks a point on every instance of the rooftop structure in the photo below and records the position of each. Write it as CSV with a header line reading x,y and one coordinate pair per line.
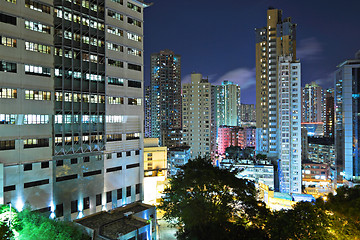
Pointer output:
x,y
134,221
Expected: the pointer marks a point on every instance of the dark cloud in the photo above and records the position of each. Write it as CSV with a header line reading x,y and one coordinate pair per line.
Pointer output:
x,y
244,77
327,81
309,48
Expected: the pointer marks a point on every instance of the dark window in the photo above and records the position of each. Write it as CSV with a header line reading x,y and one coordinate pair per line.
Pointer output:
x,y
98,199
113,169
65,178
134,84
137,189
128,191
137,152
132,165
8,67
134,101
135,8
74,161
128,153
119,194
134,67
142,235
45,164
86,203
7,19
9,188
7,145
59,210
108,156
27,167
119,154
59,163
86,159
37,6
92,173
134,22
115,63
108,197
116,81
74,206
36,183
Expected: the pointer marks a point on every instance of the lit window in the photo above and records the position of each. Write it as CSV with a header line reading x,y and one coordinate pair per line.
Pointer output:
x,y
37,6
36,47
8,41
37,70
8,93
37,27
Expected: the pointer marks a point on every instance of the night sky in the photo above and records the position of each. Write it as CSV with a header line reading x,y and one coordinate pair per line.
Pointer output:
x,y
217,39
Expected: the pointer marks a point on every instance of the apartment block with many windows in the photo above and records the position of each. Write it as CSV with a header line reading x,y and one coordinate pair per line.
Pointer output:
x,y
289,122
197,115
165,100
71,104
277,38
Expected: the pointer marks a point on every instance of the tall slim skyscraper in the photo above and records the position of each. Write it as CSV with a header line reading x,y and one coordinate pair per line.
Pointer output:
x,y
312,103
166,98
278,98
347,119
227,104
71,93
197,121
147,112
329,113
289,123
278,38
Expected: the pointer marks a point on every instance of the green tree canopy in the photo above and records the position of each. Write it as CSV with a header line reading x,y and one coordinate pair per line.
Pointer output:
x,y
206,202
38,227
346,203
28,225
312,221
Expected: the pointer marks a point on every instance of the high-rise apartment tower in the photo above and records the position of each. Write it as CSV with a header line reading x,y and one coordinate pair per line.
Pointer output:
x,y
166,98
227,104
312,109
147,112
289,123
278,38
197,121
278,98
329,113
347,119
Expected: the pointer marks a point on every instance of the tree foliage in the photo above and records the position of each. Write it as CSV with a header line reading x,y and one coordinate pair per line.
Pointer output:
x,y
310,221
206,202
30,225
38,227
346,203
5,232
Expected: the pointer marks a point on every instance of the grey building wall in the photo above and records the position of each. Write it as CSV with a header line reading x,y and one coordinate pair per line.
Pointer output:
x,y
72,110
